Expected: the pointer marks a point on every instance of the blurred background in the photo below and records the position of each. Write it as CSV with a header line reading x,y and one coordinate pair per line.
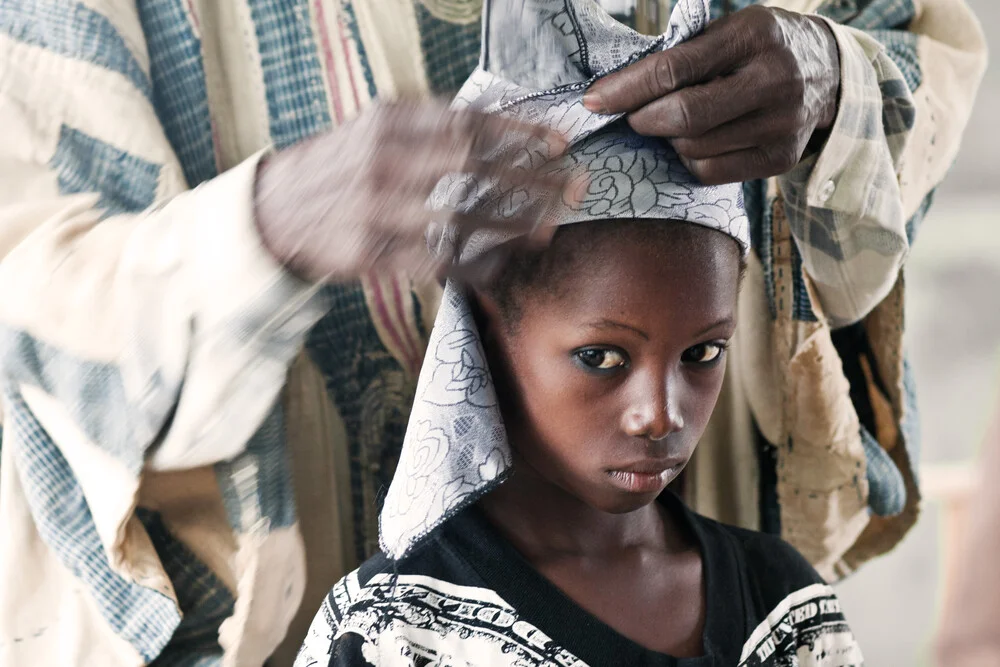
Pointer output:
x,y
953,331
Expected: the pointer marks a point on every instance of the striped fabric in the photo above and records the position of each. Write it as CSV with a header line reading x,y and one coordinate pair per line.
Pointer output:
x,y
179,89
854,266
145,618
73,30
204,601
129,182
147,333
451,51
296,97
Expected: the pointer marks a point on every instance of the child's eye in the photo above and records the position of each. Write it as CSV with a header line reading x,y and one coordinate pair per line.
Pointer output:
x,y
705,353
601,358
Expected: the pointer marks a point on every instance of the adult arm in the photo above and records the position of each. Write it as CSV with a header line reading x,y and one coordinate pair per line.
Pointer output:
x,y
857,144
146,311
158,319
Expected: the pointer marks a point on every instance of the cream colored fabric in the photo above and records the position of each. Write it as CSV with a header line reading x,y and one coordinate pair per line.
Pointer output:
x,y
952,59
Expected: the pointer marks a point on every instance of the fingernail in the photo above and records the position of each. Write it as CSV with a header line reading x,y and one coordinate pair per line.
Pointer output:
x,y
593,101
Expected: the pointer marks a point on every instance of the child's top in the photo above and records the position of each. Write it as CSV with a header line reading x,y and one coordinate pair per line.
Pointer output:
x,y
467,597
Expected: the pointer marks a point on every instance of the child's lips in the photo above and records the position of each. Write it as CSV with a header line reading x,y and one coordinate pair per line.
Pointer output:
x,y
646,476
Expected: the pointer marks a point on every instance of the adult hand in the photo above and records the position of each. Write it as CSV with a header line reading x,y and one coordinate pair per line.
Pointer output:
x,y
740,101
354,199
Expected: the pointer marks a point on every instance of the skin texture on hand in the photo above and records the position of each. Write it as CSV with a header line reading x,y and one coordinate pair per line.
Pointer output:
x,y
739,102
355,199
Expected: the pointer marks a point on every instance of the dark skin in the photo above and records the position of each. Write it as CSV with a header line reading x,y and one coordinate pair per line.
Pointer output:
x,y
741,101
616,372
354,200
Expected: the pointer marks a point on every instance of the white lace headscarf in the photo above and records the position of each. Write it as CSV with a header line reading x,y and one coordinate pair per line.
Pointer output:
x,y
538,58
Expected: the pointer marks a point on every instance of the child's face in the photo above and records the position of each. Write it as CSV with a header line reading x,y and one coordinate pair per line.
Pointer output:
x,y
617,376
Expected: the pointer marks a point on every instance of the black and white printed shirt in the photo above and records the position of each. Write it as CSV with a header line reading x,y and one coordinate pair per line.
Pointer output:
x,y
468,598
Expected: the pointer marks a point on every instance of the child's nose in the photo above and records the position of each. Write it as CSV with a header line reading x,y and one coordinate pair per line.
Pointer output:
x,y
653,411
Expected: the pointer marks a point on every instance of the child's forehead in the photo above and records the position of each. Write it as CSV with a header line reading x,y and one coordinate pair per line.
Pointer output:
x,y
594,241
629,254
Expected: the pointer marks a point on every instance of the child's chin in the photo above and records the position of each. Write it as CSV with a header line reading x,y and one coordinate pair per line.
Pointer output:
x,y
625,503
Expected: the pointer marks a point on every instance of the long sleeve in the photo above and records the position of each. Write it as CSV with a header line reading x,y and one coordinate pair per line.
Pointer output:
x,y
143,328
908,80
148,312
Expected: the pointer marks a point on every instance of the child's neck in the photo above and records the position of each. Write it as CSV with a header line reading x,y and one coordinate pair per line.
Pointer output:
x,y
652,588
543,521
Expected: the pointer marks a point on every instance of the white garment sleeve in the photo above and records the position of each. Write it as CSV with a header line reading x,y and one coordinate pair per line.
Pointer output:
x,y
167,333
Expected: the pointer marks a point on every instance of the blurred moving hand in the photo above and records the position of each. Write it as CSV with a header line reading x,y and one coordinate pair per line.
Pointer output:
x,y
355,199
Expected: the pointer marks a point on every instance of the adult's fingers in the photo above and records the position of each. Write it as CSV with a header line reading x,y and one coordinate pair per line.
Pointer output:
x,y
532,224
498,135
422,264
525,223
698,109
416,125
487,267
413,175
745,165
759,128
718,50
481,272
416,262
537,180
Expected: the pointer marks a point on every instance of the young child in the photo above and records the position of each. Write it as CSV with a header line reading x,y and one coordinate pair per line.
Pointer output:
x,y
528,523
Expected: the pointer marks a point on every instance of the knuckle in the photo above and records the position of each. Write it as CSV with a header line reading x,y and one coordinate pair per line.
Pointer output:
x,y
685,106
796,80
769,23
661,76
672,70
784,157
639,122
801,117
765,26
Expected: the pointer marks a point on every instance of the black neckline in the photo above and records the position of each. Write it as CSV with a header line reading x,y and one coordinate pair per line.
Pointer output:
x,y
538,601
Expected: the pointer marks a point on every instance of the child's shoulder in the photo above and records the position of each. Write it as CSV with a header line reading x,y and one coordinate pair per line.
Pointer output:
x,y
380,588
434,559
766,557
765,550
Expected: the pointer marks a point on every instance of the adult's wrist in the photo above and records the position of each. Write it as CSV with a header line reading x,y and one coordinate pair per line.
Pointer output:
x,y
830,97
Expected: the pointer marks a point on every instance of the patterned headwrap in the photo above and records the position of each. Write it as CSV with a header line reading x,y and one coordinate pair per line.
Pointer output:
x,y
538,58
